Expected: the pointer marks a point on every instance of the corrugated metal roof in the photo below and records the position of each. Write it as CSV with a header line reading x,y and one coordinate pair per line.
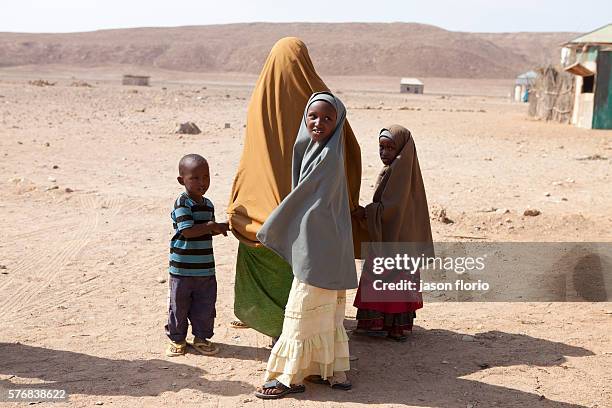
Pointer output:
x,y
601,35
528,75
411,81
526,78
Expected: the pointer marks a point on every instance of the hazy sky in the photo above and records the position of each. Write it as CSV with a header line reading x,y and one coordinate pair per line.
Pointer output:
x,y
458,15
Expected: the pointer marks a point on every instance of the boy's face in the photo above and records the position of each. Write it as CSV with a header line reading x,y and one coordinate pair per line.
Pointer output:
x,y
320,120
387,150
195,176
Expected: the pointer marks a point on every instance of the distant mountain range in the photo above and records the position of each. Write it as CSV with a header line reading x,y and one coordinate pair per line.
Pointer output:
x,y
389,49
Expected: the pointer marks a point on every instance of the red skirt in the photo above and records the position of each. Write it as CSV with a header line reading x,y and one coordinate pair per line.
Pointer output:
x,y
378,309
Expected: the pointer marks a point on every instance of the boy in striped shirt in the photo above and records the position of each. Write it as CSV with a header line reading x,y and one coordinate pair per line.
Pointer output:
x,y
193,286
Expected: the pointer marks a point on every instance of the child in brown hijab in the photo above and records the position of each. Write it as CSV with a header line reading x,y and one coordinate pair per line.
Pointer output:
x,y
398,213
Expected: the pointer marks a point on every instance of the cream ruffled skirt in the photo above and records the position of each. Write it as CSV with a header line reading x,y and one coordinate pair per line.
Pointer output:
x,y
313,340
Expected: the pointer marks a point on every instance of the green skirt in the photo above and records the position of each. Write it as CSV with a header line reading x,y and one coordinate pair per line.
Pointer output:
x,y
263,282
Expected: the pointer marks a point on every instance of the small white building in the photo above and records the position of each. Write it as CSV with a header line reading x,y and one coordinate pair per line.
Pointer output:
x,y
411,85
138,80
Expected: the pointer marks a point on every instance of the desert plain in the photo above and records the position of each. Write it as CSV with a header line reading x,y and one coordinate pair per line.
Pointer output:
x,y
88,177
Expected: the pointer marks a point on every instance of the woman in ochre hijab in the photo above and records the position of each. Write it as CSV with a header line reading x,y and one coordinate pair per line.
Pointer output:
x,y
263,180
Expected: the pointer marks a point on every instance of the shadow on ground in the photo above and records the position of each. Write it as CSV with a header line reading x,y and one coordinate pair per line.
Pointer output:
x,y
84,374
425,371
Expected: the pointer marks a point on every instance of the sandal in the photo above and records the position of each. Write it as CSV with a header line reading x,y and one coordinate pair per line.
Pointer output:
x,y
397,335
316,379
370,333
277,385
273,341
237,324
402,338
205,347
176,349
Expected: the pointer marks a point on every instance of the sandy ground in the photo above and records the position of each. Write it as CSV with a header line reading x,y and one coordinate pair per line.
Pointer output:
x,y
82,304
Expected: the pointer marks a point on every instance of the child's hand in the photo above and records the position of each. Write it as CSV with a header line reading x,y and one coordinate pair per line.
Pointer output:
x,y
359,213
221,228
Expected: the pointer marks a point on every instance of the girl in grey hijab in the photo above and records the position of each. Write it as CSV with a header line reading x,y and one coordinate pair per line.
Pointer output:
x,y
311,230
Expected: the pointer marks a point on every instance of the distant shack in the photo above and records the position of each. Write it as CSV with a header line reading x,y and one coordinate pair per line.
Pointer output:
x,y
522,86
411,85
138,80
589,59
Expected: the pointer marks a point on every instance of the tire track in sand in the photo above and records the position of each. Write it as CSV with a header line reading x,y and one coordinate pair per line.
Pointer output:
x,y
26,263
77,288
49,262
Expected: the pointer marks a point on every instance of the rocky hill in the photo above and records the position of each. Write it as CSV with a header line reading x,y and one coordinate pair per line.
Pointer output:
x,y
395,49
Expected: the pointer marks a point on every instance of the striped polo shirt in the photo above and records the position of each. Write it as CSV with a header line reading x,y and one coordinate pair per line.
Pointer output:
x,y
191,256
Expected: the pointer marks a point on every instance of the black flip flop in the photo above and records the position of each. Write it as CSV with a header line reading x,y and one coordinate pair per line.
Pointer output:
x,y
400,339
278,385
370,333
345,386
272,343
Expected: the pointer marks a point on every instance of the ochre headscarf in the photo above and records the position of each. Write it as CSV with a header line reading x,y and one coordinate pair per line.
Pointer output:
x,y
274,115
398,212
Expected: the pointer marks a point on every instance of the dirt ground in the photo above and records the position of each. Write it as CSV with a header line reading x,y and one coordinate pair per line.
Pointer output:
x,y
83,295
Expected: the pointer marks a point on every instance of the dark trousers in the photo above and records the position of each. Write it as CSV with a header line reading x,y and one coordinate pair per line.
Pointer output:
x,y
192,299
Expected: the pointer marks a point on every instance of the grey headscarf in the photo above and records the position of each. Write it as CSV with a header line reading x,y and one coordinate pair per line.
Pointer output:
x,y
311,228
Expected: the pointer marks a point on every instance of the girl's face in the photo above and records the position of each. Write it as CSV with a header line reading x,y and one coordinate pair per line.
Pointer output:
x,y
320,120
387,150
